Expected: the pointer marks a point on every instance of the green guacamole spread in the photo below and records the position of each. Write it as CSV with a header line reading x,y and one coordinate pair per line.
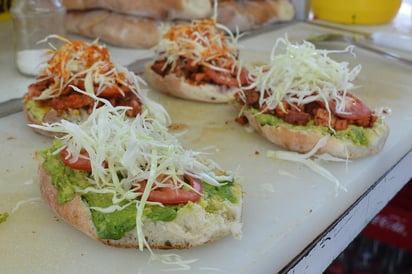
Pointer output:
x,y
37,112
115,225
3,217
360,136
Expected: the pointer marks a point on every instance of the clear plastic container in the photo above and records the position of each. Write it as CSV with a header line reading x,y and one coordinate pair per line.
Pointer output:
x,y
33,21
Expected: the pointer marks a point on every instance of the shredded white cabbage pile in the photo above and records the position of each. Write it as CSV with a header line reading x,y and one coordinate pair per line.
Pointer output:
x,y
134,82
300,73
134,150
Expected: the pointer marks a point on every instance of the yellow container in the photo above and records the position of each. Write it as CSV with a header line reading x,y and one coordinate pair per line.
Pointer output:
x,y
362,12
4,10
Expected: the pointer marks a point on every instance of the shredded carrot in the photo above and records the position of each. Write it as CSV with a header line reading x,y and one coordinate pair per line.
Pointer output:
x,y
73,61
202,41
79,52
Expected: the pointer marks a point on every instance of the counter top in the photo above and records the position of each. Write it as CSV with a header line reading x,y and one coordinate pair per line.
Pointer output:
x,y
294,220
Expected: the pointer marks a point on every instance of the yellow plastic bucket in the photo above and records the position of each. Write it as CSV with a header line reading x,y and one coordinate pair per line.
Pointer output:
x,y
4,10
363,12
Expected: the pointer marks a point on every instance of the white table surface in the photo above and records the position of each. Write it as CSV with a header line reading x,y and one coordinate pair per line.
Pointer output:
x,y
293,220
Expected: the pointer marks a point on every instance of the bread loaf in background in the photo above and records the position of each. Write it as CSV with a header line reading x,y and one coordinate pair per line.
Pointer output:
x,y
140,24
158,9
246,15
115,28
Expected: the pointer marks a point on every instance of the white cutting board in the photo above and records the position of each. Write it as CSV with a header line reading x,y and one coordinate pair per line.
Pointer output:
x,y
286,205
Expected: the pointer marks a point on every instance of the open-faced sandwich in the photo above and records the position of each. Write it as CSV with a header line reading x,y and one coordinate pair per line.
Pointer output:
x,y
197,61
302,95
87,66
130,183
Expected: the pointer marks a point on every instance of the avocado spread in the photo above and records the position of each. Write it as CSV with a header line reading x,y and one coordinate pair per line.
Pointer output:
x,y
114,225
36,111
3,217
360,136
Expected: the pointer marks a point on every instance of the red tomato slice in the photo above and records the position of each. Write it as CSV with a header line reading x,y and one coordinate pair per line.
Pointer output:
x,y
355,109
80,164
164,195
169,196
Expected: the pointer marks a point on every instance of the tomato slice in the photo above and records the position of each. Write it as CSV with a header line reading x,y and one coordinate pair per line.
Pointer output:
x,y
82,163
355,109
164,195
169,196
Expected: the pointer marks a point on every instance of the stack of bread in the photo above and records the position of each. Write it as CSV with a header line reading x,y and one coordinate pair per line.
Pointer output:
x,y
140,23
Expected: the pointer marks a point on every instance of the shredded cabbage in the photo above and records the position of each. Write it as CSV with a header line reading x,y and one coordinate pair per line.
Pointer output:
x,y
23,202
78,61
203,42
307,160
173,259
300,74
135,150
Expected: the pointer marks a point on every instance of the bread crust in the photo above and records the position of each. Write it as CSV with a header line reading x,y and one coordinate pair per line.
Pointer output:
x,y
179,87
191,228
165,9
115,28
51,117
303,141
73,212
249,14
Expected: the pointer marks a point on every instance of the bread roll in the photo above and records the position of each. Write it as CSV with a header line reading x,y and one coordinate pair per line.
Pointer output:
x,y
163,9
115,28
180,88
303,140
190,228
35,115
246,15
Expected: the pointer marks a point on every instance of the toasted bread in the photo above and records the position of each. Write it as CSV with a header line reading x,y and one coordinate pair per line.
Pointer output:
x,y
179,87
302,140
192,227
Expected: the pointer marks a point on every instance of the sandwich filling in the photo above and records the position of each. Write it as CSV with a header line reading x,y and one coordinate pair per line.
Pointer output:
x,y
128,170
86,66
303,87
201,53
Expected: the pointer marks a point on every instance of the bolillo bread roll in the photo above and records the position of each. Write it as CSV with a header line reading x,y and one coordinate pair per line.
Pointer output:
x,y
304,140
75,70
164,9
130,183
246,15
139,23
197,61
190,228
115,28
302,98
180,88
